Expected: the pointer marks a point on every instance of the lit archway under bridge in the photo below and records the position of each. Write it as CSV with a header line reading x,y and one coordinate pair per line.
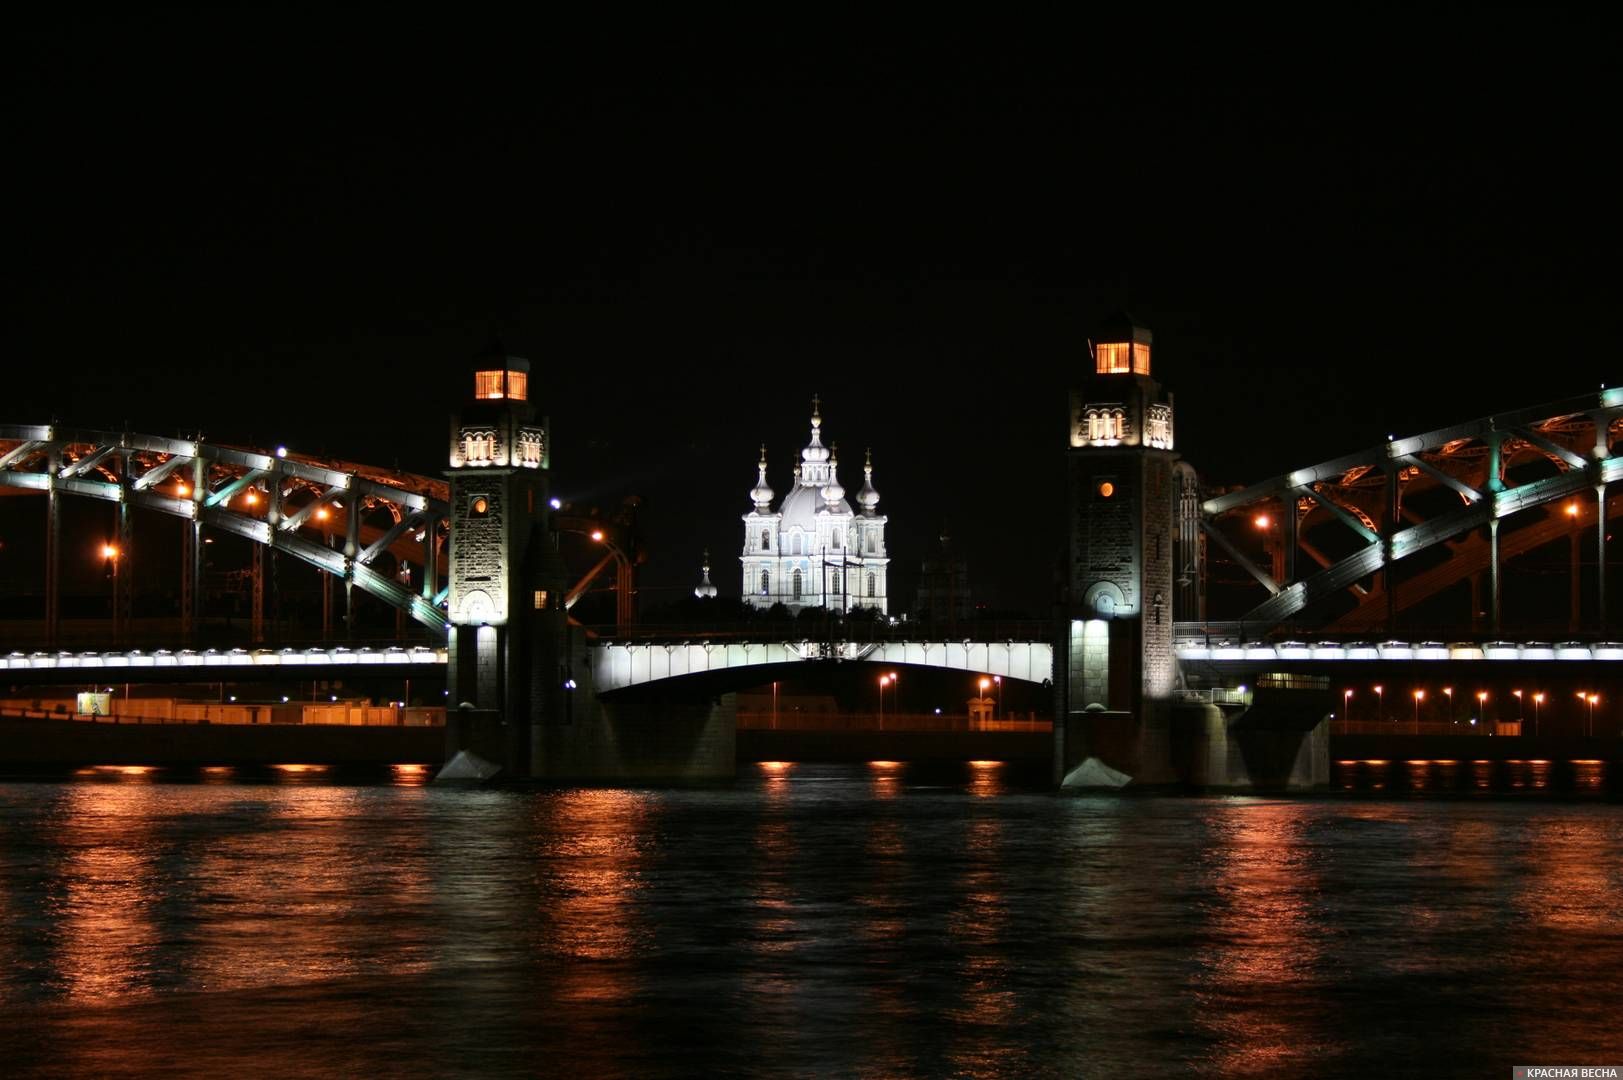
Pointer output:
x,y
622,665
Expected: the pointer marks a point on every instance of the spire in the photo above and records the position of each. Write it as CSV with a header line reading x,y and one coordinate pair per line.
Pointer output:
x,y
815,456
868,498
832,491
762,492
705,590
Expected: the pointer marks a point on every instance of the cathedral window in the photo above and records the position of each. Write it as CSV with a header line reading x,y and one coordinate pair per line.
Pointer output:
x,y
766,540
872,540
837,577
797,584
836,539
766,583
870,585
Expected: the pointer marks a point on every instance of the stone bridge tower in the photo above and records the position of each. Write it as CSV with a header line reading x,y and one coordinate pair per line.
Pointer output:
x,y
1114,665
501,597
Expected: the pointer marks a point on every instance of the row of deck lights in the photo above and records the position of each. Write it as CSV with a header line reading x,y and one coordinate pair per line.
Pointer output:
x,y
1418,694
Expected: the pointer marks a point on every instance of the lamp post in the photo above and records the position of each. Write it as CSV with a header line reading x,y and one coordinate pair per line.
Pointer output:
x,y
1448,692
1346,706
1482,707
1521,714
1538,699
998,681
109,554
1380,702
984,684
1419,696
883,679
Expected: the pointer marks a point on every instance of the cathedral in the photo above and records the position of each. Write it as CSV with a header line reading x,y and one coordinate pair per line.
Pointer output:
x,y
814,550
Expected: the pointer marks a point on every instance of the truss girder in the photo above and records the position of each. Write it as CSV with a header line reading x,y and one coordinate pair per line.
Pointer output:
x,y
1605,406
1446,479
1264,578
1339,575
418,506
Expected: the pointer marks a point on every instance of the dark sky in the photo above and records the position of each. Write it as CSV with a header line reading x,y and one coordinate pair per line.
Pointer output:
x,y
289,225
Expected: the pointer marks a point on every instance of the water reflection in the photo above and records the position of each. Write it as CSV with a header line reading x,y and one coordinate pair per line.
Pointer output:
x,y
1263,961
1479,776
813,920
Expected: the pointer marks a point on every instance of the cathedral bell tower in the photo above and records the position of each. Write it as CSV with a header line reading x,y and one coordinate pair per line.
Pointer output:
x,y
1115,670
499,462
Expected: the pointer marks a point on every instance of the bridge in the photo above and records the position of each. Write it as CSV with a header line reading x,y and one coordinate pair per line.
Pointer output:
x,y
1338,557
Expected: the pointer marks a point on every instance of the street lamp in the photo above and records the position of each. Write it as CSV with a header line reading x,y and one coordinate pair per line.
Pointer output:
x,y
1419,696
1346,705
1380,702
1591,700
1482,707
998,681
1538,699
1520,713
1448,692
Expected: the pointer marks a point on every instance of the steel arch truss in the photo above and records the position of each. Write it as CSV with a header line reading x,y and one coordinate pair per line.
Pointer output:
x,y
1469,460
263,497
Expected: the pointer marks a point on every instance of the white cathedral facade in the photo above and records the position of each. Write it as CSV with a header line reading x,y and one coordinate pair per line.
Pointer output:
x,y
814,550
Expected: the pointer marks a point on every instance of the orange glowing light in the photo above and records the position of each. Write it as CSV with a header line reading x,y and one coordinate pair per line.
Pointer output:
x,y
1262,521
182,490
252,498
597,534
883,764
321,514
774,766
1539,697
1420,695
1106,489
985,683
1481,696
109,551
985,764
1572,509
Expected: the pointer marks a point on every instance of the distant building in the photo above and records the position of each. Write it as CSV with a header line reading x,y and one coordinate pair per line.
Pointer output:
x,y
814,550
705,590
943,594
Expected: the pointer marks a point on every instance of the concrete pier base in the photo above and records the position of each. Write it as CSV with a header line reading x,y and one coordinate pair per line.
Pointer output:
x,y
640,742
1214,751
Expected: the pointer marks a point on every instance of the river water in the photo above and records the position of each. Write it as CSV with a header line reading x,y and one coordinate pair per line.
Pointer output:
x,y
869,920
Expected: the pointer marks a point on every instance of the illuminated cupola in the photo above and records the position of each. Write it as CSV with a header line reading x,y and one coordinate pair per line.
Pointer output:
x,y
833,494
705,590
868,497
761,494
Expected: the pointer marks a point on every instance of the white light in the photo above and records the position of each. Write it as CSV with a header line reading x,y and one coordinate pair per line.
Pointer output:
x,y
555,504
284,699
281,451
569,684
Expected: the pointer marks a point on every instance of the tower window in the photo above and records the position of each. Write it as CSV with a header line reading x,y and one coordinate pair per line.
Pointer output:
x,y
766,583
1106,489
1141,358
837,577
797,584
836,539
479,507
1115,359
870,585
766,540
501,384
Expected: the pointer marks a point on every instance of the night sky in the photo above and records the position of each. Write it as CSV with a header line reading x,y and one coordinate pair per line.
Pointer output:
x,y
295,226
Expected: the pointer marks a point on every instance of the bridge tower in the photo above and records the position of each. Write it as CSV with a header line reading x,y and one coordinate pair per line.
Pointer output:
x,y
504,606
1114,668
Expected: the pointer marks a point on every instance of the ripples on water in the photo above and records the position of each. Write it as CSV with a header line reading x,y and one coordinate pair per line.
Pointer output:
x,y
875,921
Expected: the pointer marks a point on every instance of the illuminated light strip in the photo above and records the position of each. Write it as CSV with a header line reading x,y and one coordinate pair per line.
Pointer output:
x,y
1400,651
417,656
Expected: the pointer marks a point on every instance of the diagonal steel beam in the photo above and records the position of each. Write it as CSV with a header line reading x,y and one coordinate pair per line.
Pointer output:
x,y
1555,450
1442,477
222,496
293,521
85,464
156,474
1262,576
1340,513
21,454
384,542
